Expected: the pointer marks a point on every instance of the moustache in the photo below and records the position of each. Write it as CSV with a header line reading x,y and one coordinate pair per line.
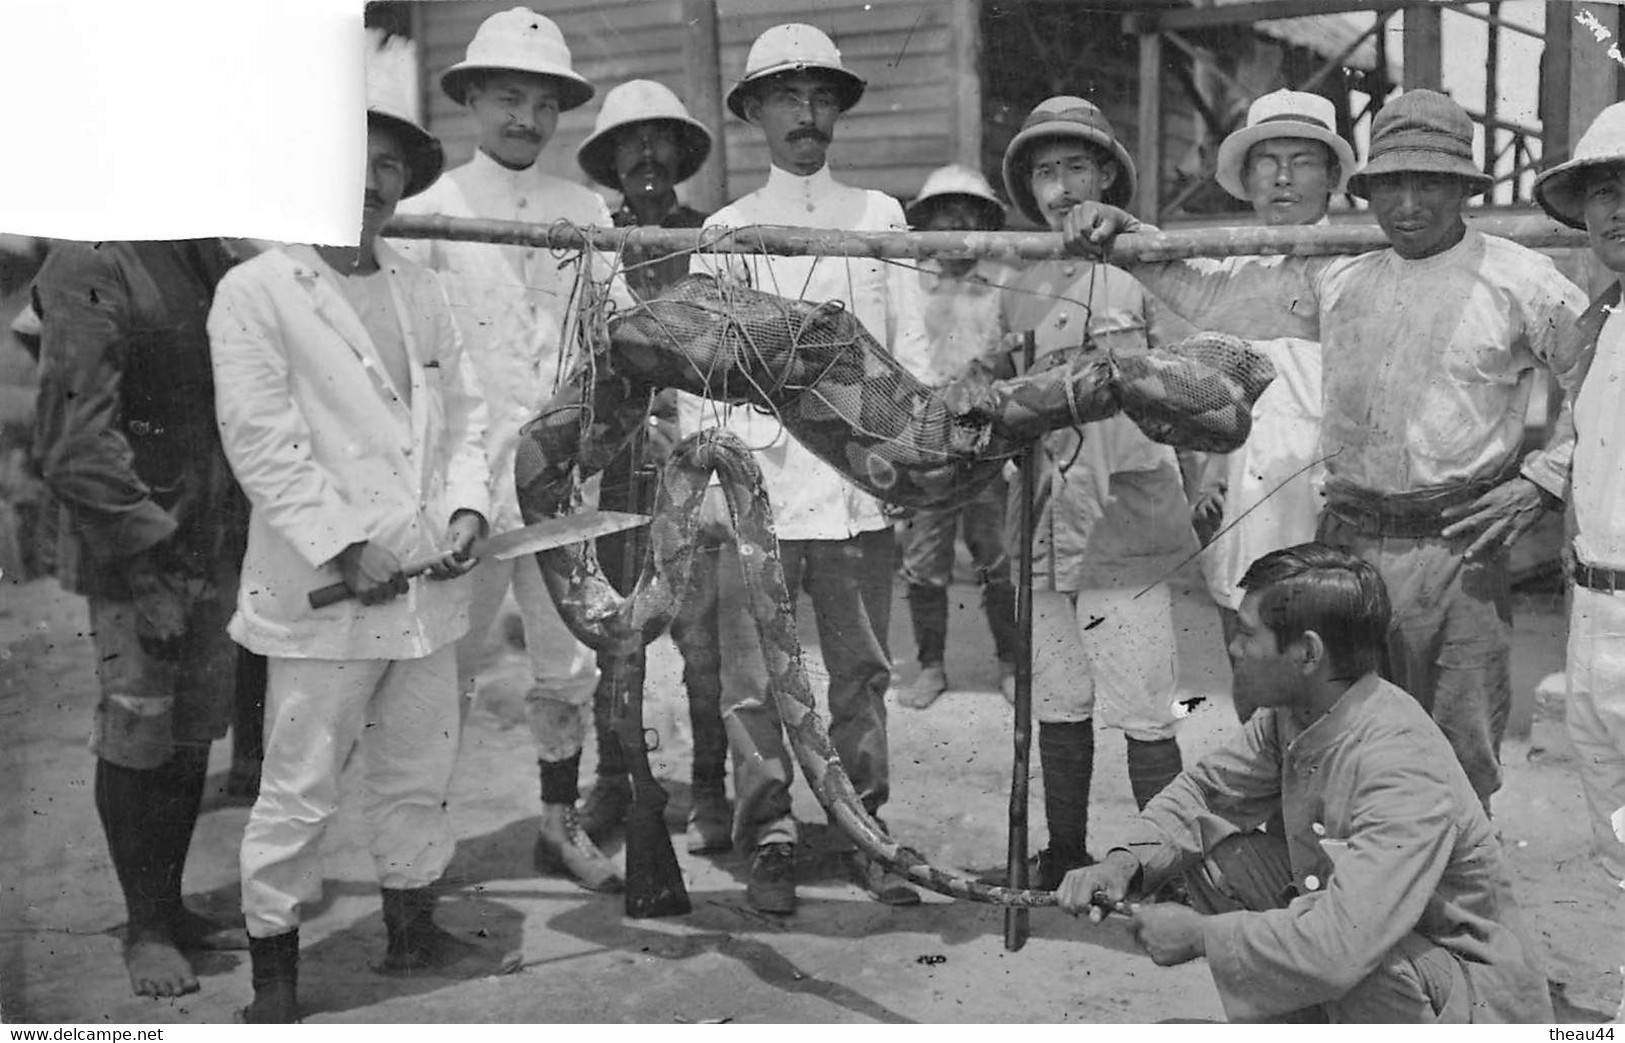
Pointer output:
x,y
373,200
647,172
534,137
808,134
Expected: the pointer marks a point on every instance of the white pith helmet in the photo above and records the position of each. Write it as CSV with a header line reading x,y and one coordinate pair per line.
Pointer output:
x,y
519,40
951,182
794,47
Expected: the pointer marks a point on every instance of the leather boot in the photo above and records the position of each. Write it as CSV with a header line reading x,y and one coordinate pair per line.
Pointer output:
x,y
1151,766
415,943
274,970
562,845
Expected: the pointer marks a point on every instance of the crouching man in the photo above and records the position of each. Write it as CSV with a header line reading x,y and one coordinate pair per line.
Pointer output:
x,y
1388,900
348,411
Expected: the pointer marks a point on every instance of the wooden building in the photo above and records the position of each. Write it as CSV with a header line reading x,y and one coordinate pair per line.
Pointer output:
x,y
949,80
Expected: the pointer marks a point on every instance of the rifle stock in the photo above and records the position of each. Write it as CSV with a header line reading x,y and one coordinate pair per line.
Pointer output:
x,y
654,882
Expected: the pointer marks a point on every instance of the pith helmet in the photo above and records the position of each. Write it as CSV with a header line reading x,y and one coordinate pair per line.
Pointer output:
x,y
956,182
640,101
519,40
387,105
1283,114
1421,131
1603,144
1064,117
794,47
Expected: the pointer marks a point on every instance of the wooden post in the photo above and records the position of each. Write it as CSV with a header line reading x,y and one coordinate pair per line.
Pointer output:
x,y
702,64
1423,45
1492,95
1555,57
966,23
1593,75
1148,201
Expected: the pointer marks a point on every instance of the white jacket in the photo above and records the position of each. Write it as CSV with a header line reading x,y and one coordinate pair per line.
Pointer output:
x,y
329,454
511,303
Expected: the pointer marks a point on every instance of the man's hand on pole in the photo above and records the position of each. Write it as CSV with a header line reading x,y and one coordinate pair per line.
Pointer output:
x,y
1498,517
1096,889
1090,228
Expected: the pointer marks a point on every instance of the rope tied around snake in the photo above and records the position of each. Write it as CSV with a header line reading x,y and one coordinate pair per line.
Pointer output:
x,y
843,397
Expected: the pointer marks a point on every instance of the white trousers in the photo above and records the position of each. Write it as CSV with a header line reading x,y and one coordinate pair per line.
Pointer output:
x,y
403,712
1596,716
1106,654
563,670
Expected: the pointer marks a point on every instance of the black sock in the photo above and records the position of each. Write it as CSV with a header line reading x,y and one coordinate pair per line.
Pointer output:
x,y
561,780
1151,766
1066,753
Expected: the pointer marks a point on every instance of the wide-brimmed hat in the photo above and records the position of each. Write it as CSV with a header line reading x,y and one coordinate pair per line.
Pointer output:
x,y
1282,114
1603,144
387,105
1064,117
519,40
956,182
794,47
642,101
1421,132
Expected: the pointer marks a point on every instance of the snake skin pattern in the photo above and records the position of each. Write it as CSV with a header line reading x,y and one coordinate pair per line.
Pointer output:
x,y
839,393
845,398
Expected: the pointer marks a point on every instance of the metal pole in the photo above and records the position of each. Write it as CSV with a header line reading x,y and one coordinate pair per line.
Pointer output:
x,y
1492,94
1538,232
1015,920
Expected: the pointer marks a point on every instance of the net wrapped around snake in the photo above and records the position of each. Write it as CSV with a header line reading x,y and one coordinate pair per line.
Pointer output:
x,y
836,390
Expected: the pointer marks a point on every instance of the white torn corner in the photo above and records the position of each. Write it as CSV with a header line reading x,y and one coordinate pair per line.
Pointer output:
x,y
1617,820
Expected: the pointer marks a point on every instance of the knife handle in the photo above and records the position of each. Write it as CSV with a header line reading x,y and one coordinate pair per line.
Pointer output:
x,y
334,593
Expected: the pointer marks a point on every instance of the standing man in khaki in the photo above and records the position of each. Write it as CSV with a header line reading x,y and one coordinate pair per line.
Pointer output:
x,y
835,542
512,305
1431,347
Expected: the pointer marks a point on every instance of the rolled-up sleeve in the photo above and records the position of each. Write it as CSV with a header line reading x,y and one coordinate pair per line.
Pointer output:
x,y
1562,333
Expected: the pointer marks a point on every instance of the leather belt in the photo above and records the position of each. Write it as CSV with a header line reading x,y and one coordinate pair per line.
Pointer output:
x,y
1609,581
1414,515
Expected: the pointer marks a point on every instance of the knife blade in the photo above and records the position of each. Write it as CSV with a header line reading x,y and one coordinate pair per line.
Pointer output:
x,y
527,539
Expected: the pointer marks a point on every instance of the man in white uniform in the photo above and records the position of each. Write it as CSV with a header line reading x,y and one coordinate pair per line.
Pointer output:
x,y
1589,191
513,307
835,542
349,413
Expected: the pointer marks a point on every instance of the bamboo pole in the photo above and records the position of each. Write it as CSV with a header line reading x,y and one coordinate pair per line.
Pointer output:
x,y
1537,232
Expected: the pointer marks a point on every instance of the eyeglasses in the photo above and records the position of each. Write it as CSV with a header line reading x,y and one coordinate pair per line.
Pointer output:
x,y
1269,167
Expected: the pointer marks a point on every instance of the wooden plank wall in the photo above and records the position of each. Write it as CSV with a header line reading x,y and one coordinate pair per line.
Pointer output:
x,y
908,123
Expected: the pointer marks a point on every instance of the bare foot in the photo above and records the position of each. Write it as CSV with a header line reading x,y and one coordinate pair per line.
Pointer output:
x,y
156,967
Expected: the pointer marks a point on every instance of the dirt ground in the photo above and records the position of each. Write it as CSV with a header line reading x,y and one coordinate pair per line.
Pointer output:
x,y
559,954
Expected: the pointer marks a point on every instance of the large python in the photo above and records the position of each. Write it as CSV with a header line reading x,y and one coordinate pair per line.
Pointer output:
x,y
839,393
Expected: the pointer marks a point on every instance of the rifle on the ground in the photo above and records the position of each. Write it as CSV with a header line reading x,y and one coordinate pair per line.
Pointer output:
x,y
1016,924
654,882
